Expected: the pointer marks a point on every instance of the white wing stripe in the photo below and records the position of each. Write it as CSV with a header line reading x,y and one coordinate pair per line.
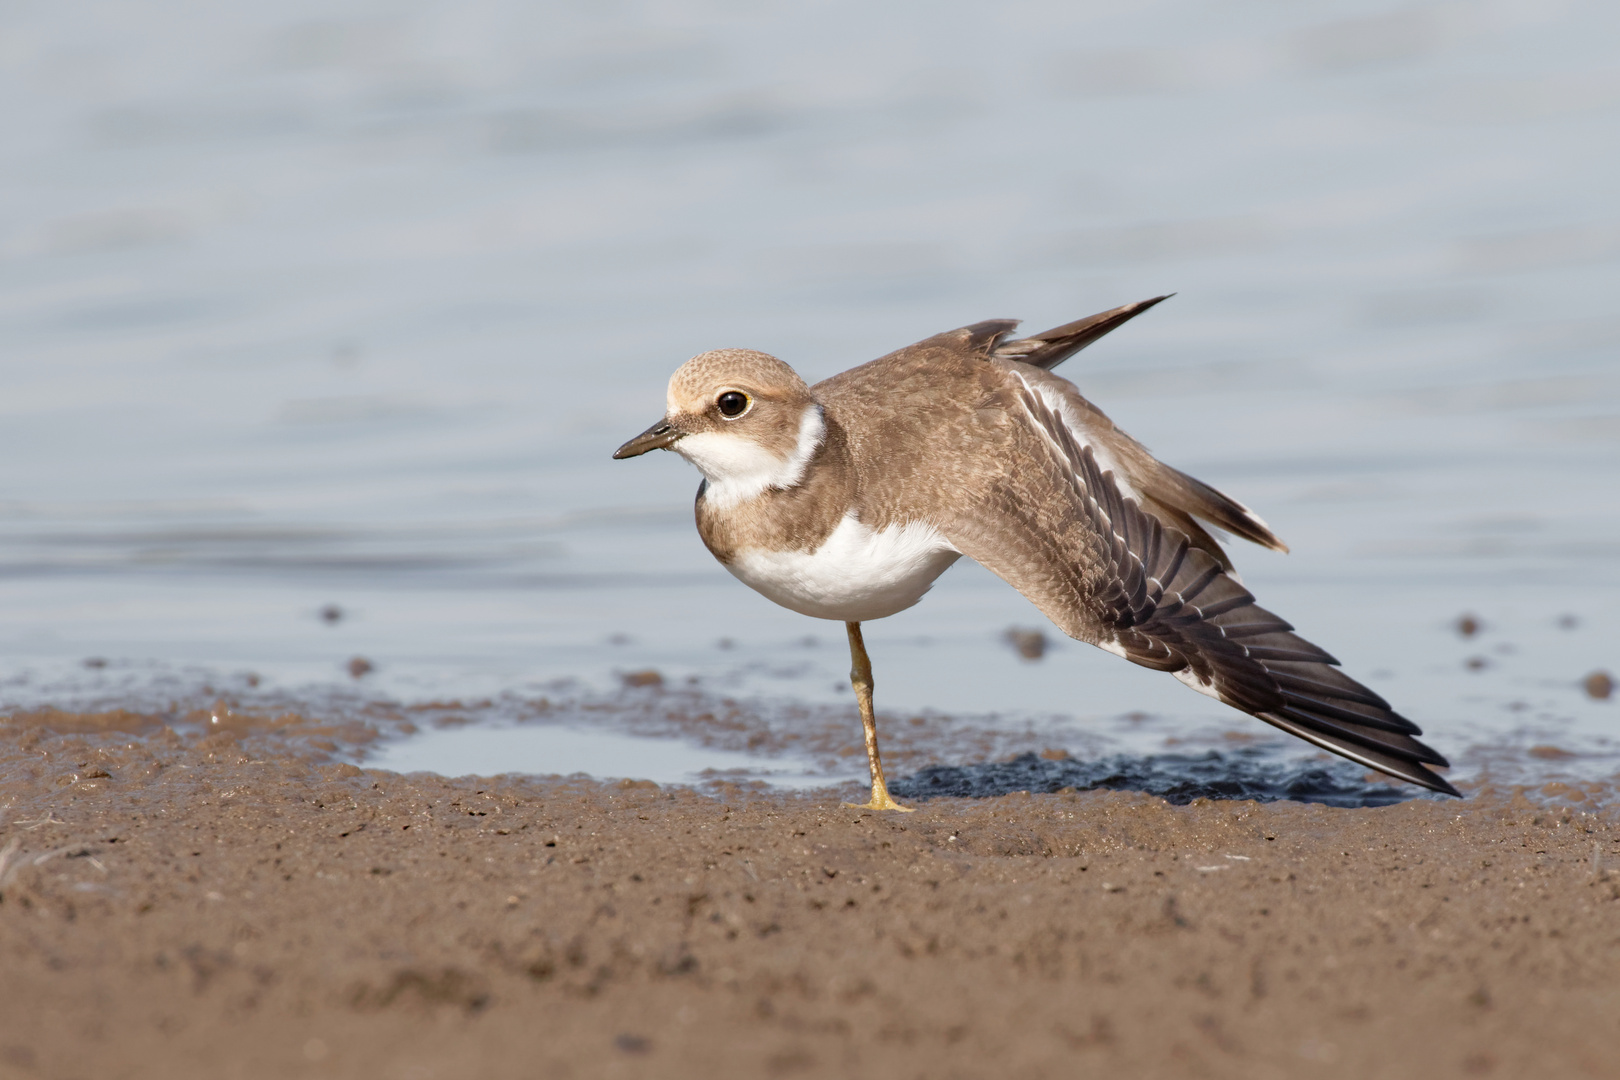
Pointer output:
x,y
1075,426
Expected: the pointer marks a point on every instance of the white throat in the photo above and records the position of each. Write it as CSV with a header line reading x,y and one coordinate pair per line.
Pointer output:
x,y
738,468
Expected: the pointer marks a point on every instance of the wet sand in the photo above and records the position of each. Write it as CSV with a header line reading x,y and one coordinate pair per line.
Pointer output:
x,y
235,903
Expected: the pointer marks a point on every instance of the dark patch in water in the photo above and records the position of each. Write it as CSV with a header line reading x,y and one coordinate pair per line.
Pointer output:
x,y
1176,778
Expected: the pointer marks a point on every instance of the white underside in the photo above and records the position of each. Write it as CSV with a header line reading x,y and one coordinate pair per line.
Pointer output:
x,y
856,574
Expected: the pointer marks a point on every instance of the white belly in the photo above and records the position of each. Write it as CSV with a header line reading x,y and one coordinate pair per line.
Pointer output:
x,y
855,575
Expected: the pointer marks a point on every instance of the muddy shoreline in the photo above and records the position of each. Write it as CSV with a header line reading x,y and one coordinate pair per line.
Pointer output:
x,y
236,903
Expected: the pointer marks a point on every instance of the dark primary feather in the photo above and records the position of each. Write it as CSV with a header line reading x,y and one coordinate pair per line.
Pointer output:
x,y
1169,605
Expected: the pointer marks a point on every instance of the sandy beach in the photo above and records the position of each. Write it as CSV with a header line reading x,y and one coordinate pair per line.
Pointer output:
x,y
236,903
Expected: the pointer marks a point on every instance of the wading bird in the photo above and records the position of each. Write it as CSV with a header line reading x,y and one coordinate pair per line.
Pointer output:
x,y
847,499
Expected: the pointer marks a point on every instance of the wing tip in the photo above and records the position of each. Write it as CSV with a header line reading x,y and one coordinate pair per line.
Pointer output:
x,y
1413,772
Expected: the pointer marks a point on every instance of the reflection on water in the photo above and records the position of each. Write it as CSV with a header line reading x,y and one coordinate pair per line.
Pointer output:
x,y
338,305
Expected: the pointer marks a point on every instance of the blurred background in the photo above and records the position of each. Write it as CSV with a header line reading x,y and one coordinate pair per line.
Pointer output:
x,y
318,323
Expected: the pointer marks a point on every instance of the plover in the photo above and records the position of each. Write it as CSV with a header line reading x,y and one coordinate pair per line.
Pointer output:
x,y
847,499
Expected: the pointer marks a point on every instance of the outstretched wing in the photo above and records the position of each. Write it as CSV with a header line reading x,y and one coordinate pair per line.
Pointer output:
x,y
1106,571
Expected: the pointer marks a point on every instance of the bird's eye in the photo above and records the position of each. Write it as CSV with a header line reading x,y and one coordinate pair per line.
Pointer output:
x,y
732,403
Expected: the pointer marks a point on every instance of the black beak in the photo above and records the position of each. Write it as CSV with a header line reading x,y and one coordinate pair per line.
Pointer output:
x,y
657,437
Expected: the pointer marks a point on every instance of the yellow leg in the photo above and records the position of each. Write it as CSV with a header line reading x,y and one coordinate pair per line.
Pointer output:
x,y
860,677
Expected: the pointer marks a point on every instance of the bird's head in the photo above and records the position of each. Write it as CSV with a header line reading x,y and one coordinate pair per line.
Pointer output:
x,y
745,419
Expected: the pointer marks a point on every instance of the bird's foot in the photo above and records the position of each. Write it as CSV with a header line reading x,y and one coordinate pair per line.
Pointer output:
x,y
881,801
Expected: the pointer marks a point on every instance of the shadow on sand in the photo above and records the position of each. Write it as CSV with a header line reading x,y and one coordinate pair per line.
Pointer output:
x,y
1249,773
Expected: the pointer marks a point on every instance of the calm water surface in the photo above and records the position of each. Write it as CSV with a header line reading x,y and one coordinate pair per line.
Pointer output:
x,y
347,304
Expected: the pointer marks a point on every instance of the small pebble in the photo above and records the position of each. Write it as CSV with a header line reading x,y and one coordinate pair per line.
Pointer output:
x,y
1030,644
1469,625
331,614
1476,663
1598,685
631,1044
95,663
360,667
647,677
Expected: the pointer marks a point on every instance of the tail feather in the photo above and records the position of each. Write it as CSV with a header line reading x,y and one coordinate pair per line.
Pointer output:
x,y
1048,350
1193,496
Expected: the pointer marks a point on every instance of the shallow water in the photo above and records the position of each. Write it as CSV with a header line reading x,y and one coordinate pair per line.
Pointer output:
x,y
490,749
347,305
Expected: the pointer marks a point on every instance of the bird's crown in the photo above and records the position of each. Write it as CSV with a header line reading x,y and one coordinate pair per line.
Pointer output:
x,y
726,384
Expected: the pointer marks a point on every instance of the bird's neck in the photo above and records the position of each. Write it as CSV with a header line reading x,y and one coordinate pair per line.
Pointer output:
x,y
796,512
